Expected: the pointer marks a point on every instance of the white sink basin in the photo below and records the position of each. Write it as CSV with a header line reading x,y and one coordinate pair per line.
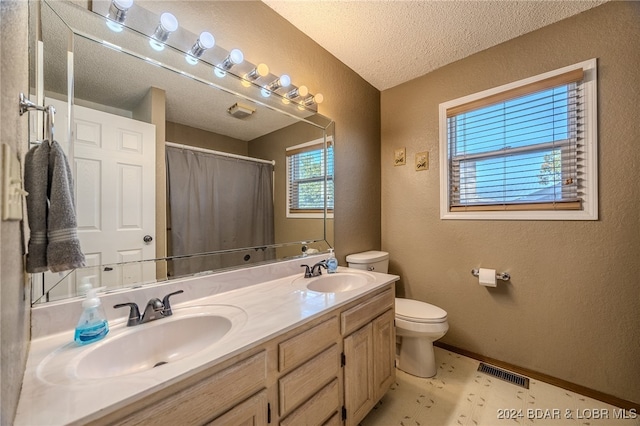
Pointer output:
x,y
338,282
163,341
131,350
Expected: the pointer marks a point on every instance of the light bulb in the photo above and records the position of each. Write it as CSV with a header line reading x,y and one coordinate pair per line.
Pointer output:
x,y
204,42
236,56
262,70
283,81
301,91
168,24
117,14
317,99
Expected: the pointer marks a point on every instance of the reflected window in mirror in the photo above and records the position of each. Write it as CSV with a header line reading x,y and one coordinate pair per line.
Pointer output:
x,y
310,179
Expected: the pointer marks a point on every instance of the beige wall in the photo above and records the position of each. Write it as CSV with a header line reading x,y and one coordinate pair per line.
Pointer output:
x,y
572,308
14,296
179,133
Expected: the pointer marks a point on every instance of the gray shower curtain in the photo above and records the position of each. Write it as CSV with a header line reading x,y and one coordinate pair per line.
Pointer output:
x,y
218,203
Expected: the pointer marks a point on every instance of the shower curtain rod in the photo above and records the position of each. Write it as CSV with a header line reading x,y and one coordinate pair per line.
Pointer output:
x,y
225,154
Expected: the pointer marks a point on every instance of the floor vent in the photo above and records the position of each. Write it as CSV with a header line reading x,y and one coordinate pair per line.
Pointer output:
x,y
505,375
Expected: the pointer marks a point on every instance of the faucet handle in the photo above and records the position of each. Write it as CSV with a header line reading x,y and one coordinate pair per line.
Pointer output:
x,y
134,313
166,311
307,271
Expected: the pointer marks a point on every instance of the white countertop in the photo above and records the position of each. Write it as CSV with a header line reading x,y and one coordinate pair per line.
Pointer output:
x,y
262,311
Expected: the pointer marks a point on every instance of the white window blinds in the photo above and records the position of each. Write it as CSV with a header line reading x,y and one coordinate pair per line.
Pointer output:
x,y
309,178
518,149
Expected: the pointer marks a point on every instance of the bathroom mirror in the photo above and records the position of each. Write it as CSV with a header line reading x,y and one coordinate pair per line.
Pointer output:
x,y
98,80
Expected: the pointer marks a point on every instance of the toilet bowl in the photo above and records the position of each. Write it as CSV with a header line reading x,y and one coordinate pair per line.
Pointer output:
x,y
418,324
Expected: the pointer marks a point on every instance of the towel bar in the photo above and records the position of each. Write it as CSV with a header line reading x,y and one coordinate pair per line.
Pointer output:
x,y
27,105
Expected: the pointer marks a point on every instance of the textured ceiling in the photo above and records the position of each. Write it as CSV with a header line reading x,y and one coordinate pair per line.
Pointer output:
x,y
390,42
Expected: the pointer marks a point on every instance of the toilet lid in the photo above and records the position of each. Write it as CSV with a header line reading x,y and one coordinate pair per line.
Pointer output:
x,y
417,311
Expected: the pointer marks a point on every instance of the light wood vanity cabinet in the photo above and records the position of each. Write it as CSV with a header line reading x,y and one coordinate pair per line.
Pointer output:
x,y
369,368
337,365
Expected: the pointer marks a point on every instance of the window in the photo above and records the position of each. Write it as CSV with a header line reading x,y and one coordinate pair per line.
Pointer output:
x,y
309,178
526,150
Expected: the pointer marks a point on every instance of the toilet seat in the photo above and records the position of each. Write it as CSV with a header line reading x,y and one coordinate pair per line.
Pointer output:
x,y
420,312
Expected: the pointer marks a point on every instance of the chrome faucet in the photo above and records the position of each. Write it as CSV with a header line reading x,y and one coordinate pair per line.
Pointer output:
x,y
155,309
315,270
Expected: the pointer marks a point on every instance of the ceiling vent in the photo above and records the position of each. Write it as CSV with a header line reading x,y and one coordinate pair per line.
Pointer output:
x,y
239,110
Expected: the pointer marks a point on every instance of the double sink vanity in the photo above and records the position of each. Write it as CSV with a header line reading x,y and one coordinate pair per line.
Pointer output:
x,y
261,345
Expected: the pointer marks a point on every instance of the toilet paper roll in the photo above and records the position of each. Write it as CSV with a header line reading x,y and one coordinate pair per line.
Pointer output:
x,y
487,277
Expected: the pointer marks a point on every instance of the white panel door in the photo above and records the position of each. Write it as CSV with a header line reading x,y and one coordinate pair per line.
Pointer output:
x,y
114,176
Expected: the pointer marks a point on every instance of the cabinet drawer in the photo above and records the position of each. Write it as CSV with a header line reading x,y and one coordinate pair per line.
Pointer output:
x,y
307,379
209,397
359,315
253,411
318,409
300,348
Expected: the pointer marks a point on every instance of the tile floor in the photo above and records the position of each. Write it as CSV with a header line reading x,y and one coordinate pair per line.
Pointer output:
x,y
459,395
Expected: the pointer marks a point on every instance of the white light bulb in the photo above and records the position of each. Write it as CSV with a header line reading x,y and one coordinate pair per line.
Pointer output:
x,y
285,80
204,42
123,4
236,56
318,98
117,14
206,39
168,22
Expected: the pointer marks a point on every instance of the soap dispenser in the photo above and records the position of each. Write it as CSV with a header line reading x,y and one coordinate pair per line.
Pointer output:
x,y
93,324
332,262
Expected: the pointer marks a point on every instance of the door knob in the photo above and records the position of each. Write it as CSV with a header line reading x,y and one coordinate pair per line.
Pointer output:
x,y
147,239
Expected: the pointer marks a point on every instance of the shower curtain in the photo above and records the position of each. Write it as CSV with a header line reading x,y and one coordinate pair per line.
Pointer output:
x,y
218,203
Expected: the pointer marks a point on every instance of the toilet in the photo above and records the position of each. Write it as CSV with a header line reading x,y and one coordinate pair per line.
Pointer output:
x,y
418,324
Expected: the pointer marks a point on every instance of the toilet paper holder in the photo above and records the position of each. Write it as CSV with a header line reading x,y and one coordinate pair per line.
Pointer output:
x,y
504,276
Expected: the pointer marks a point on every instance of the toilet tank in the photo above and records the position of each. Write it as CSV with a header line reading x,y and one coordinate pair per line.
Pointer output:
x,y
376,261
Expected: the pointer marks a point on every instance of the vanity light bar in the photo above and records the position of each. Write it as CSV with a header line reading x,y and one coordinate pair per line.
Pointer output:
x,y
203,49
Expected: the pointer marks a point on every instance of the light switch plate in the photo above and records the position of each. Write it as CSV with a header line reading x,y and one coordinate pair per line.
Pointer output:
x,y
12,191
422,161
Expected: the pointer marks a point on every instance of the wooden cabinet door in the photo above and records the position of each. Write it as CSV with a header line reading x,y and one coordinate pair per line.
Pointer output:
x,y
252,412
384,344
358,374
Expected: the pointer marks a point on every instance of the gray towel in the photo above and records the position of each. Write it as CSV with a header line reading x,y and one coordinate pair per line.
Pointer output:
x,y
59,248
36,169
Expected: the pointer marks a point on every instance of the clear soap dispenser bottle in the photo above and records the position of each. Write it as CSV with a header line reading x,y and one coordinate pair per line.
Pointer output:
x,y
93,324
332,262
